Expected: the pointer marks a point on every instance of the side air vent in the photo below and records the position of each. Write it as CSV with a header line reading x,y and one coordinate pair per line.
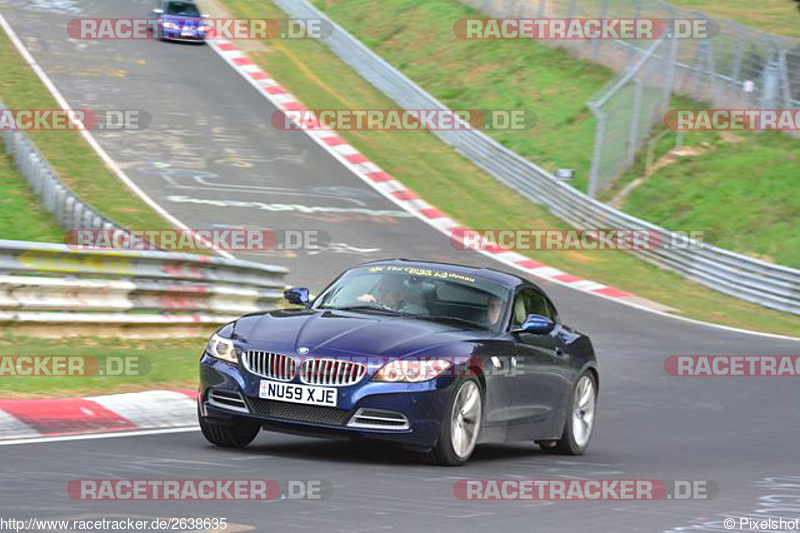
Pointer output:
x,y
366,418
230,400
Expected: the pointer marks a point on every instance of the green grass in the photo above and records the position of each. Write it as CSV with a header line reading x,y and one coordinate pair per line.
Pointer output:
x,y
172,364
21,214
742,193
447,180
71,157
740,190
775,16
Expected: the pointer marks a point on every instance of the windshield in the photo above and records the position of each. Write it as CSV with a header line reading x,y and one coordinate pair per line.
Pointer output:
x,y
182,9
423,293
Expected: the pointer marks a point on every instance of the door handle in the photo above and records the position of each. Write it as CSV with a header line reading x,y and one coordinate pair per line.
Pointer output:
x,y
559,352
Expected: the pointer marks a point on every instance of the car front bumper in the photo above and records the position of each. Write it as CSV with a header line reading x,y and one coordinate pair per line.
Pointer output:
x,y
359,412
178,35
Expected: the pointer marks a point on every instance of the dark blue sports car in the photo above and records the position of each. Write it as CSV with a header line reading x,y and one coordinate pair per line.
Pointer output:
x,y
179,20
433,356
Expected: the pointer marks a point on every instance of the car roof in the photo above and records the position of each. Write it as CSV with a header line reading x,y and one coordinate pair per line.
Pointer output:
x,y
504,278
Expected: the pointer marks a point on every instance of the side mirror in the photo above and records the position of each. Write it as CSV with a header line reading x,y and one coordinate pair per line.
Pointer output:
x,y
297,296
536,324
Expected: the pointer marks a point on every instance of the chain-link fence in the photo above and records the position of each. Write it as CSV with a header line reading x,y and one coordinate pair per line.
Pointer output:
x,y
739,68
628,111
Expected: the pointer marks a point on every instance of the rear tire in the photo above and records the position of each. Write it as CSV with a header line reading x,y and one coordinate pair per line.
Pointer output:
x,y
580,421
463,412
229,436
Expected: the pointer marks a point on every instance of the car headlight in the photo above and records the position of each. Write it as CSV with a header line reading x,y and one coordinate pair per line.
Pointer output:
x,y
170,26
221,349
412,371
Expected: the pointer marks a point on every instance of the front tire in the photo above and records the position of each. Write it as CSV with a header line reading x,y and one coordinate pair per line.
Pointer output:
x,y
229,436
461,426
580,420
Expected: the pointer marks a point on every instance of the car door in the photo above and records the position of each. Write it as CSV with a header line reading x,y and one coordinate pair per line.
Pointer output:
x,y
501,380
541,361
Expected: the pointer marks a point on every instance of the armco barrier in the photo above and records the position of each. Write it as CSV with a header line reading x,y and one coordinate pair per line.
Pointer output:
x,y
743,277
67,208
51,283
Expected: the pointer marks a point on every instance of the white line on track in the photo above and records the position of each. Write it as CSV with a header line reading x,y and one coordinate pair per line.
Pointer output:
x,y
94,436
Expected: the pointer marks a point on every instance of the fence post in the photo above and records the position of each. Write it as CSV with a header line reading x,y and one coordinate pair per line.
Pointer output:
x,y
711,69
599,137
636,115
769,85
596,42
632,49
784,78
669,85
737,67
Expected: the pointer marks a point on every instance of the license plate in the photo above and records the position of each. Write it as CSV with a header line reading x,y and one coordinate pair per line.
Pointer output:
x,y
288,392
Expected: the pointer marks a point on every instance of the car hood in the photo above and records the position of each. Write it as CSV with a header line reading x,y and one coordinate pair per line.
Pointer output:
x,y
348,333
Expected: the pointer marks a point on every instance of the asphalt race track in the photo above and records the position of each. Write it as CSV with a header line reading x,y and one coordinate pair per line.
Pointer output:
x,y
211,139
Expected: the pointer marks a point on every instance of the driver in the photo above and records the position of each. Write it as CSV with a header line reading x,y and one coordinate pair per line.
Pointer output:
x,y
494,310
392,294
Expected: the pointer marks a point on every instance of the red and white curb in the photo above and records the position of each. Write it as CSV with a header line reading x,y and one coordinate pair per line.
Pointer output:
x,y
58,417
392,189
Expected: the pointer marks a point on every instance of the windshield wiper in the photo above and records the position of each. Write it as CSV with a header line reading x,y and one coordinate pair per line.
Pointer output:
x,y
446,318
365,308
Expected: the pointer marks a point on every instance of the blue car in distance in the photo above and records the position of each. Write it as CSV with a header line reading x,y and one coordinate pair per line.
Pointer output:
x,y
179,20
436,357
